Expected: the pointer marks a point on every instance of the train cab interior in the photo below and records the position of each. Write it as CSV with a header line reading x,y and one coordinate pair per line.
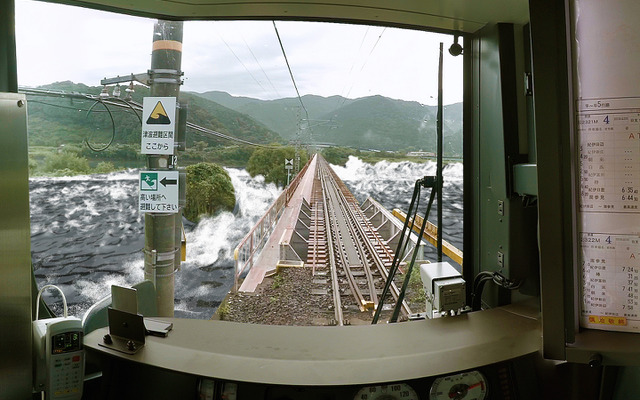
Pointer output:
x,y
533,72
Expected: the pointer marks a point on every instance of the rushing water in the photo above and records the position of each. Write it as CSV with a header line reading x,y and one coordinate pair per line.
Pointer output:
x,y
86,232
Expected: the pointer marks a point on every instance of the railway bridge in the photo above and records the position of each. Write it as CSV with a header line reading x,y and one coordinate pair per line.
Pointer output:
x,y
317,224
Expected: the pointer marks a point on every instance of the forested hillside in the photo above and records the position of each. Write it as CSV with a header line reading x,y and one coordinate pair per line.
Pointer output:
x,y
54,121
374,122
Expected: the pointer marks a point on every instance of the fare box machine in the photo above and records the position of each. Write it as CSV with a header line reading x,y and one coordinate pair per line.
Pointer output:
x,y
58,353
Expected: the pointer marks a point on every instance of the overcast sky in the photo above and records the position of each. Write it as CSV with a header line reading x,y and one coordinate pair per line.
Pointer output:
x,y
243,58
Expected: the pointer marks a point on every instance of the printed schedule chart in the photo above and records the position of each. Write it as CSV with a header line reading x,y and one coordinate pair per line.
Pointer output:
x,y
609,213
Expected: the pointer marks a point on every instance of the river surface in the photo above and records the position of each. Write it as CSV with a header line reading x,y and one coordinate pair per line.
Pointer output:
x,y
87,234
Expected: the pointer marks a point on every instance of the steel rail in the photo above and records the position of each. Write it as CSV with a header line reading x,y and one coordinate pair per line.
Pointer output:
x,y
395,292
380,263
347,212
335,286
334,230
358,220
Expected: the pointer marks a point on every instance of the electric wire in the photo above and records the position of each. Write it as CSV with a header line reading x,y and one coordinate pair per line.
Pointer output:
x,y
202,129
64,300
416,250
63,107
130,105
289,68
223,136
485,276
117,102
113,128
240,61
398,254
353,64
365,62
261,69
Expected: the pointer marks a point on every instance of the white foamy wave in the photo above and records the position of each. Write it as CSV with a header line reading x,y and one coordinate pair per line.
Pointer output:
x,y
117,191
128,174
208,273
253,195
94,290
215,238
383,178
453,172
357,170
211,239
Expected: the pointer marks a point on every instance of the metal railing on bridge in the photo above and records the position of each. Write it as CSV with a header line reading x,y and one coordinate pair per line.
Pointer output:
x,y
245,253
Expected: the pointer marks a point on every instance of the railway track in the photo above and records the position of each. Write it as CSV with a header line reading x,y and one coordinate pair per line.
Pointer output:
x,y
347,254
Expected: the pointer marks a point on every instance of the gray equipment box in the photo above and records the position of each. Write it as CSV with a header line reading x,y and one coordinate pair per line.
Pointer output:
x,y
444,287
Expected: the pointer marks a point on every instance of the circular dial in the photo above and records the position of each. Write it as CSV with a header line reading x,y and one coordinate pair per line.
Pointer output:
x,y
387,392
470,385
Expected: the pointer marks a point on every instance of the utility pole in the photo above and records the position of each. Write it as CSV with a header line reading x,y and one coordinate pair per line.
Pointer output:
x,y
163,231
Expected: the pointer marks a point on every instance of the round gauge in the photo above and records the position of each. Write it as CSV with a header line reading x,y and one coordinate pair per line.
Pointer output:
x,y
470,385
387,392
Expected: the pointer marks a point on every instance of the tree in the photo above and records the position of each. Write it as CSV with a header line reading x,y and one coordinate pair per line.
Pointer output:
x,y
269,162
337,155
209,191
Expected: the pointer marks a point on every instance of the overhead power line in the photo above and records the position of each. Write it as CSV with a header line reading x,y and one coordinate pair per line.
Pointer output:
x,y
367,59
355,59
240,61
289,68
262,69
116,102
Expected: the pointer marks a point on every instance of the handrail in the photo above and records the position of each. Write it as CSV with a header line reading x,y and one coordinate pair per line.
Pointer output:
x,y
244,252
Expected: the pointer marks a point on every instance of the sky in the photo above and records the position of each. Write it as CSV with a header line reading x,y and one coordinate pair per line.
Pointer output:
x,y
65,43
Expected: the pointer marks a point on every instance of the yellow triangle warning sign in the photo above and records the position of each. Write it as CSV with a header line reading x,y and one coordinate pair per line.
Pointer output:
x,y
158,116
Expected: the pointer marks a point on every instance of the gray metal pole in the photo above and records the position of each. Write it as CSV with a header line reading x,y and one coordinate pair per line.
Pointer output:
x,y
439,183
162,238
8,69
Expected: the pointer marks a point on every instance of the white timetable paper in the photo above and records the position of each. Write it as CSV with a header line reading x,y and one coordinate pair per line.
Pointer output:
x,y
609,206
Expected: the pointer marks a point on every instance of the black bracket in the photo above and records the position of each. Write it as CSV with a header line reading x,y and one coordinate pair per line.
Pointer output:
x,y
429,182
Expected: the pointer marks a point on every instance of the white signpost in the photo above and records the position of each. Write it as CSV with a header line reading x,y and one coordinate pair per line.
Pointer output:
x,y
288,165
158,192
158,125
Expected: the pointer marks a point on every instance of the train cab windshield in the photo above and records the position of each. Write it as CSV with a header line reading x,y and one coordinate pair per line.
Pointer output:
x,y
319,200
364,97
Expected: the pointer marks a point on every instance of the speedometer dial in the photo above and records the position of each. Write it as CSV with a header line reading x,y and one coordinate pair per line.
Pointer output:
x,y
395,391
465,386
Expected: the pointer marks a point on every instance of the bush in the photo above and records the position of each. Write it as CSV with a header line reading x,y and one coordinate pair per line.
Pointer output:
x,y
104,167
337,155
33,166
223,311
209,190
67,162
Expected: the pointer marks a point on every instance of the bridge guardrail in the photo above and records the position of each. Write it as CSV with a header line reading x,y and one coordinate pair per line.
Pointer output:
x,y
253,242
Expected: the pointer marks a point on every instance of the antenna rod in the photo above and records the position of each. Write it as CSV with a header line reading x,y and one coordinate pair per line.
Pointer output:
x,y
439,180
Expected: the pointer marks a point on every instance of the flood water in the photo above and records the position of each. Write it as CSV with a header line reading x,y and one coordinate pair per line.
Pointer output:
x,y
87,234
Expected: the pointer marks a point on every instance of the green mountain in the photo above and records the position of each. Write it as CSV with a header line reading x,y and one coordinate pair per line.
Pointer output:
x,y
281,115
374,122
54,121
